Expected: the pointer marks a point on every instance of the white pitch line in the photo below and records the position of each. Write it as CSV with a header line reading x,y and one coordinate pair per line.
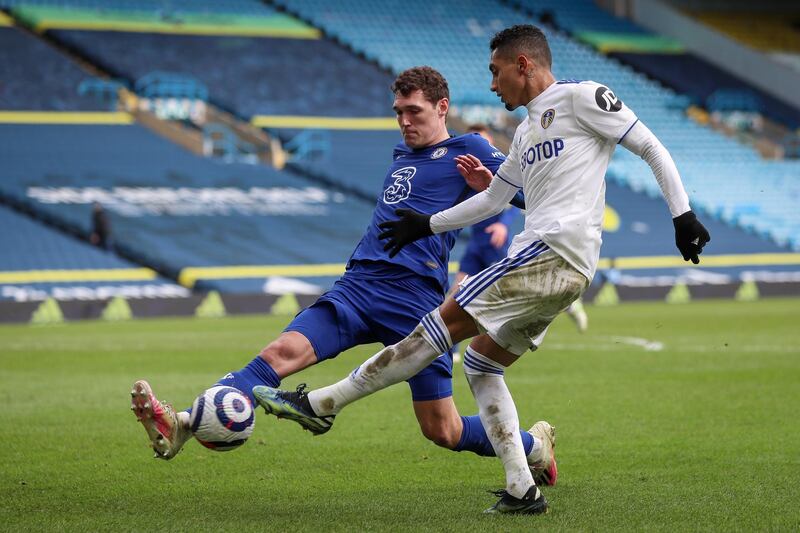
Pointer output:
x,y
610,344
648,345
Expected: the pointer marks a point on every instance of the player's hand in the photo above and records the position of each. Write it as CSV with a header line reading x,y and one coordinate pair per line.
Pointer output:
x,y
474,173
408,228
499,234
690,236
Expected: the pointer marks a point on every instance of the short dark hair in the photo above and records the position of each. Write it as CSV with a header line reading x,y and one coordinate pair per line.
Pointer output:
x,y
523,39
425,79
478,128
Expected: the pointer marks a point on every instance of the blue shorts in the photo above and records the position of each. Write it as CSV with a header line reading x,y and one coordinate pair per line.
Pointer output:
x,y
480,255
362,310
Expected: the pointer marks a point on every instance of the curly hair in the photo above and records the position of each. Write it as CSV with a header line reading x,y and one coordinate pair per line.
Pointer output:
x,y
523,39
425,79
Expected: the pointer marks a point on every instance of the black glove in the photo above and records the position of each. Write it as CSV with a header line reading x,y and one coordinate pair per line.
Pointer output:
x,y
690,236
408,228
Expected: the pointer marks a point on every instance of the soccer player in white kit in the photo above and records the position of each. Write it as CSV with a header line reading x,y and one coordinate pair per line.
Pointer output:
x,y
559,157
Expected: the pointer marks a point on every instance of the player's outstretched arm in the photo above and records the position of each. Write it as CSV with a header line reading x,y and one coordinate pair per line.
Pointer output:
x,y
690,234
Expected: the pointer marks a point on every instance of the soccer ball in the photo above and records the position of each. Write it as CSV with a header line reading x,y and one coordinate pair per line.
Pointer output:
x,y
222,418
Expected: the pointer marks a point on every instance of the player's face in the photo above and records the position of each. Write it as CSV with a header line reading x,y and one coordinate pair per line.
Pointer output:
x,y
421,122
507,81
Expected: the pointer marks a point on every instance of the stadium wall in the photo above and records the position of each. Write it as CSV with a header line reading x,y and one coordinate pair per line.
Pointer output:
x,y
213,304
755,67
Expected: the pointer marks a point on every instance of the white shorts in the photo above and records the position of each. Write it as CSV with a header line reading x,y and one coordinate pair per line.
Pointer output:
x,y
516,299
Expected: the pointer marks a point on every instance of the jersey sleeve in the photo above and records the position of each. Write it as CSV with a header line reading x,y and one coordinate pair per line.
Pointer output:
x,y
599,111
490,156
509,171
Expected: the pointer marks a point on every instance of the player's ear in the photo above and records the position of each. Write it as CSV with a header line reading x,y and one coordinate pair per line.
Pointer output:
x,y
526,66
443,106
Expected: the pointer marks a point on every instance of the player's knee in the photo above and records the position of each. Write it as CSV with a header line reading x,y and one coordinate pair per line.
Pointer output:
x,y
440,434
286,355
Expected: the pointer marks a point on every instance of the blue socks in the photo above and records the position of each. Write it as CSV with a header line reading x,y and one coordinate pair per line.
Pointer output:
x,y
257,372
474,438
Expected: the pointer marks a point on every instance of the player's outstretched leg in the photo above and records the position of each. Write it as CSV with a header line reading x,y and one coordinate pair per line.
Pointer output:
x,y
542,459
293,406
166,429
533,502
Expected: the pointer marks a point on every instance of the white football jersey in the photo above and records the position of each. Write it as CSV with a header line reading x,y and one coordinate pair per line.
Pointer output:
x,y
559,158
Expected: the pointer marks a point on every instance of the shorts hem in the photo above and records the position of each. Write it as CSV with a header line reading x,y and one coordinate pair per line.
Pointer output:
x,y
430,397
302,331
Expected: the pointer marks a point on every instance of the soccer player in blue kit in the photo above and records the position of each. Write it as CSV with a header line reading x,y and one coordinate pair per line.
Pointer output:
x,y
381,298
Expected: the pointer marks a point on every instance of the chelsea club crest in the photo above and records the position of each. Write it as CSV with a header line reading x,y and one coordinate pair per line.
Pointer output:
x,y
548,117
439,152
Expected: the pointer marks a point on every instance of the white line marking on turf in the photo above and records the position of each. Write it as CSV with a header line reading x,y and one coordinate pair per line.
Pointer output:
x,y
717,348
611,344
608,344
648,345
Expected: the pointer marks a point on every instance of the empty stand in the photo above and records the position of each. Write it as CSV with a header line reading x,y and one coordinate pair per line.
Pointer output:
x,y
357,159
269,77
246,75
578,16
722,176
172,209
242,7
709,86
39,258
36,77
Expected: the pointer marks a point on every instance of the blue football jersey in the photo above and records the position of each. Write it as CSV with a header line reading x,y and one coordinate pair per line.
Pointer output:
x,y
425,180
478,233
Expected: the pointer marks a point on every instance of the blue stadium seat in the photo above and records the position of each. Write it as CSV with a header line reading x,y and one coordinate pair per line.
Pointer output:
x,y
239,7
580,15
171,209
35,77
357,159
248,75
29,245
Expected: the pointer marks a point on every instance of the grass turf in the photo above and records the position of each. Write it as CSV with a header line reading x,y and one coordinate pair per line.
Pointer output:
x,y
700,435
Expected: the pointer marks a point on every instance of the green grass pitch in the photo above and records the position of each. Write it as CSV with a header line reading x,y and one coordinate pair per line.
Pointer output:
x,y
703,434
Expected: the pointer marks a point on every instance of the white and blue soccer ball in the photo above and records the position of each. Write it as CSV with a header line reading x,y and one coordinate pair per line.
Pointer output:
x,y
222,418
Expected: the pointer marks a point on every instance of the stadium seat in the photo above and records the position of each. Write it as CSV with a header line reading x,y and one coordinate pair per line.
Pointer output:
x,y
171,209
40,259
38,78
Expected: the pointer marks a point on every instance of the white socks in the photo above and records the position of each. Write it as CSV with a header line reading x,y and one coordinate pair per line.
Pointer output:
x,y
391,365
499,418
